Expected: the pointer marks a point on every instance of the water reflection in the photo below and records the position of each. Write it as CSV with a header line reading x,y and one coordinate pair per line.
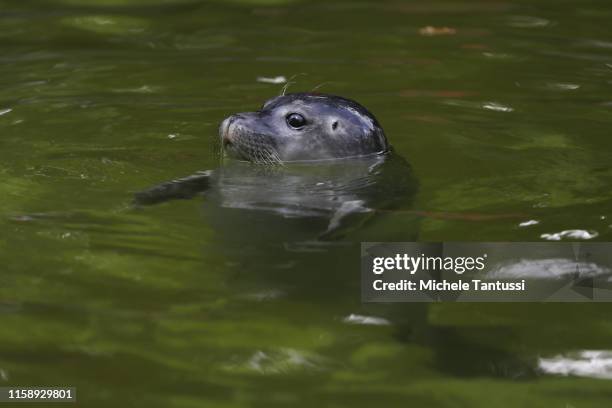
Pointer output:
x,y
296,202
296,228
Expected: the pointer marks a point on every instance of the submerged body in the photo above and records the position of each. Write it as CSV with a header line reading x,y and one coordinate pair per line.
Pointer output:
x,y
309,202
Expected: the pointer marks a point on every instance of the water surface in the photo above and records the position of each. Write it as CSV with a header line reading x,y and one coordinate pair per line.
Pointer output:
x,y
503,109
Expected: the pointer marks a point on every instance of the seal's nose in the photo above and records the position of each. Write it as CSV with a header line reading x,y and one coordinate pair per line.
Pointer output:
x,y
225,130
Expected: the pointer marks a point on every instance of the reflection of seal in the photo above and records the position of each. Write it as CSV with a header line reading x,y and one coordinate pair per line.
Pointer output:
x,y
303,126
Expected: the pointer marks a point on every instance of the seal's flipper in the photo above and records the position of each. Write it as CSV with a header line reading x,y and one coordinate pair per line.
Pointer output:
x,y
183,188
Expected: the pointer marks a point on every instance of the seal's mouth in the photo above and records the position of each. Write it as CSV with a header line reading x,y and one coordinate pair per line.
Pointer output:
x,y
240,142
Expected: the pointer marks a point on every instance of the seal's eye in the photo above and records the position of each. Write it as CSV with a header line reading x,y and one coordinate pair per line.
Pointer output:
x,y
295,120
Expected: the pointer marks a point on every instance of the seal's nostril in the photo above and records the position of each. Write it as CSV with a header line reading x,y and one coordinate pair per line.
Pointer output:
x,y
235,117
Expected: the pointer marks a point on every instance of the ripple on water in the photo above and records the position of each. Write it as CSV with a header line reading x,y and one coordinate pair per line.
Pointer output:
x,y
497,55
278,361
144,89
584,363
549,268
497,107
527,22
272,80
548,86
108,24
562,86
265,295
597,44
366,320
119,3
487,105
571,234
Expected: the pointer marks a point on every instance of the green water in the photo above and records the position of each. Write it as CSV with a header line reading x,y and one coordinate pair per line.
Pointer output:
x,y
506,119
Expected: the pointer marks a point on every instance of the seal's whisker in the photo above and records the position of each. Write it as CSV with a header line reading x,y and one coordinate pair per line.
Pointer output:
x,y
289,82
256,148
284,90
320,85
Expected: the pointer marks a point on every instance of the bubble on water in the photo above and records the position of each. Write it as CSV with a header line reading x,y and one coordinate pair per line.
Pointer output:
x,y
584,363
367,320
528,223
572,234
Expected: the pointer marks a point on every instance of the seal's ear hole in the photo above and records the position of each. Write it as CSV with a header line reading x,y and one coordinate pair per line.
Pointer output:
x,y
335,125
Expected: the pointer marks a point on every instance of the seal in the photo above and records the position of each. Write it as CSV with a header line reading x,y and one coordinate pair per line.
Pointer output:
x,y
337,171
303,127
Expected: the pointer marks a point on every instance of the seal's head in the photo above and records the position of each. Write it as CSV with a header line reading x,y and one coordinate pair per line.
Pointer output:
x,y
303,126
